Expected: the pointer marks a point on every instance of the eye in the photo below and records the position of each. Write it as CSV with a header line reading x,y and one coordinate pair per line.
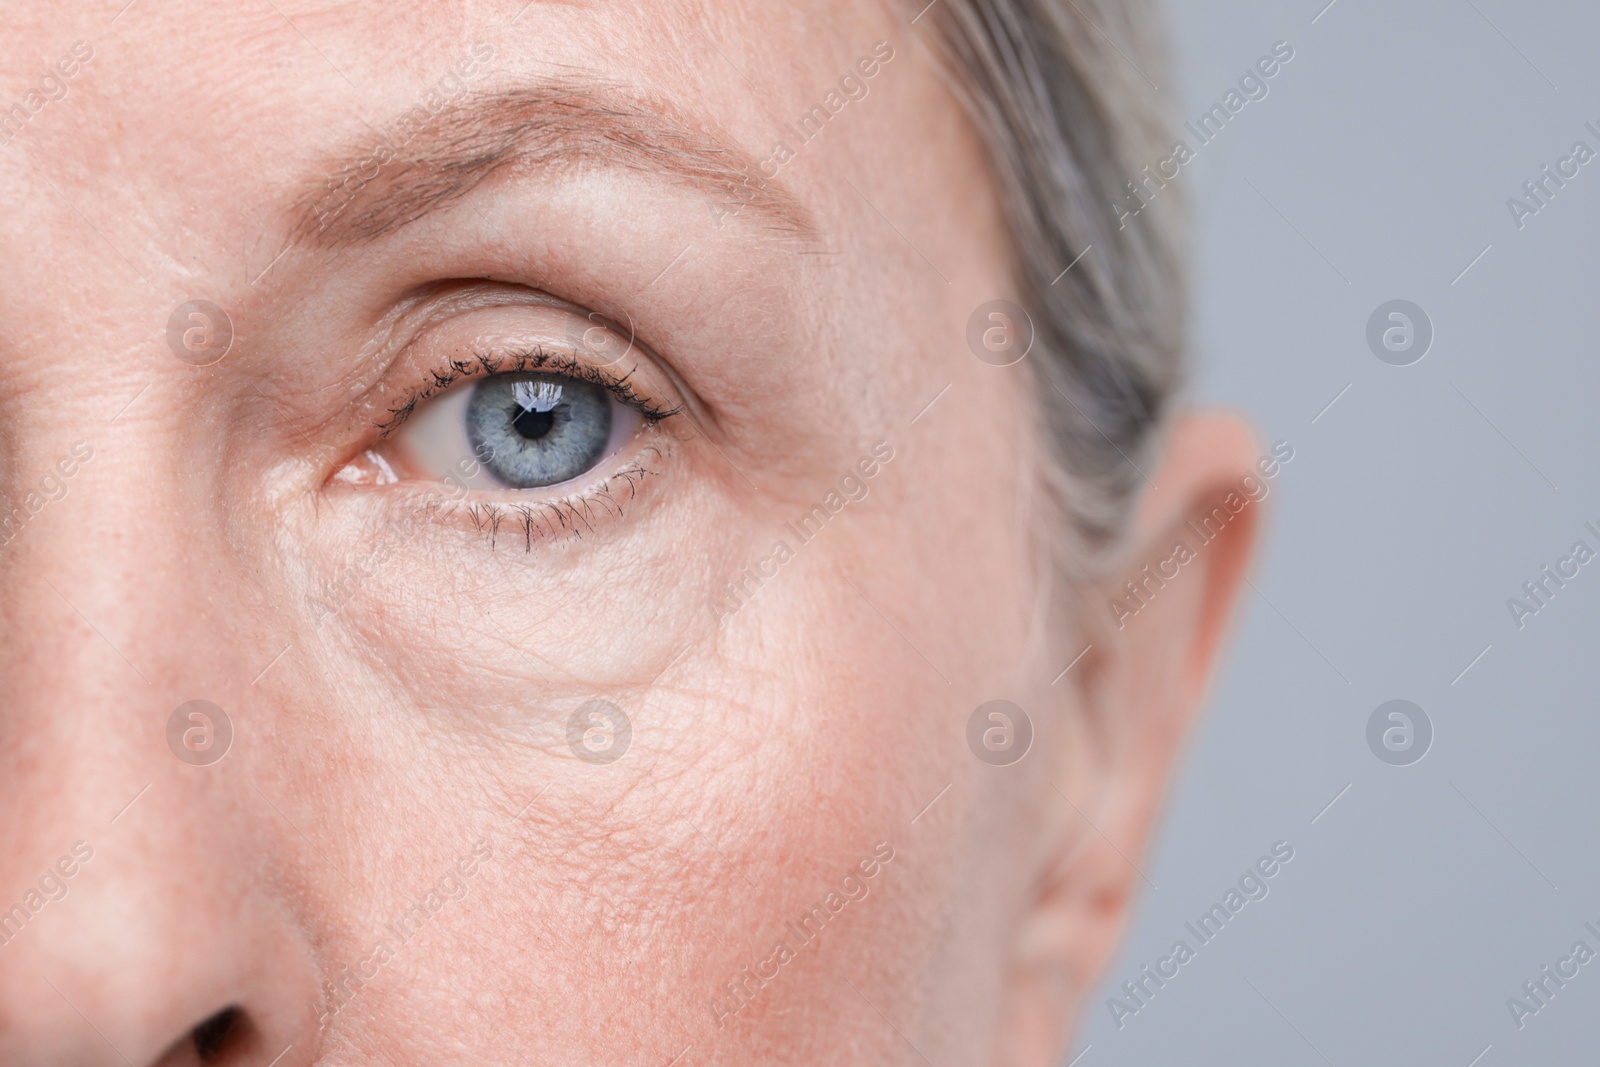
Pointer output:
x,y
520,430
534,430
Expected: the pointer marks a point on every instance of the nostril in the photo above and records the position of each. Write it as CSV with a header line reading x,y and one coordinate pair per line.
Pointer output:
x,y
213,1037
227,1039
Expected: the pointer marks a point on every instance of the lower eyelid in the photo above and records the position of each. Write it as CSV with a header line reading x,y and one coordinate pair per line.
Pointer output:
x,y
525,517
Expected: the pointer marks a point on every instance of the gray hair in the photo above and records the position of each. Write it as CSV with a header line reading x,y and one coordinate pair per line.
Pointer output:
x,y
1061,90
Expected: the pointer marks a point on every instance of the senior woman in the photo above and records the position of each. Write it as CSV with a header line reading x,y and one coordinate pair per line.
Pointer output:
x,y
586,532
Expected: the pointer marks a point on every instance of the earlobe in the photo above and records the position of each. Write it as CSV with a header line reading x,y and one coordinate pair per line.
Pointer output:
x,y
1155,629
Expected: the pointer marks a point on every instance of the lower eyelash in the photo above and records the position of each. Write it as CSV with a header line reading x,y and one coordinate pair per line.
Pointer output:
x,y
547,519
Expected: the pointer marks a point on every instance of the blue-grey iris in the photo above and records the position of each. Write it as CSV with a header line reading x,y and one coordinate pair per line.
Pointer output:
x,y
530,430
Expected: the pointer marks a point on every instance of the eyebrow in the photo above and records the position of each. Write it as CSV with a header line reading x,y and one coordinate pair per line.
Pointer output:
x,y
424,161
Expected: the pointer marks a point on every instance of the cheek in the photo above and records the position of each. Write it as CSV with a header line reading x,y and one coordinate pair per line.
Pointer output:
x,y
852,700
764,757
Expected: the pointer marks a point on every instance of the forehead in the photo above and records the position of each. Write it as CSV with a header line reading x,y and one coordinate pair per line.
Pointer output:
x,y
182,155
199,118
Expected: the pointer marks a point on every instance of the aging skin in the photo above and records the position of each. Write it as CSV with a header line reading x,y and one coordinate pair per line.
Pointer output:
x,y
405,856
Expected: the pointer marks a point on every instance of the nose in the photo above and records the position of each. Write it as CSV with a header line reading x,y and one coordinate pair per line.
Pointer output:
x,y
143,921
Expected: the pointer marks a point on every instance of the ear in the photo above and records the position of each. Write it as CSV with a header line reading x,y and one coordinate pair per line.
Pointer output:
x,y
1154,627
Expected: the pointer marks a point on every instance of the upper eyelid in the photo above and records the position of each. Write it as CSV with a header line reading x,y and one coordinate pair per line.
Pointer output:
x,y
536,358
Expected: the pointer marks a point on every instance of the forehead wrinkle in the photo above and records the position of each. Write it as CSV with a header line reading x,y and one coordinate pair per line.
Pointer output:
x,y
548,125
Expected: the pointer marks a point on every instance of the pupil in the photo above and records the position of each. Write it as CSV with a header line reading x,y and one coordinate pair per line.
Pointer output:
x,y
533,425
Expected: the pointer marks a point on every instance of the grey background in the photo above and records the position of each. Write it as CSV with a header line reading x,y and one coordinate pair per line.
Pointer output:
x,y
1414,507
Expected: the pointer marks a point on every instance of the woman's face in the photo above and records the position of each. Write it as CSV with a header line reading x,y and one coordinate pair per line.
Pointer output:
x,y
613,711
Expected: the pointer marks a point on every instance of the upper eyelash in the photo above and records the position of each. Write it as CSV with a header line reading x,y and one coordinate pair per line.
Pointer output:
x,y
538,358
